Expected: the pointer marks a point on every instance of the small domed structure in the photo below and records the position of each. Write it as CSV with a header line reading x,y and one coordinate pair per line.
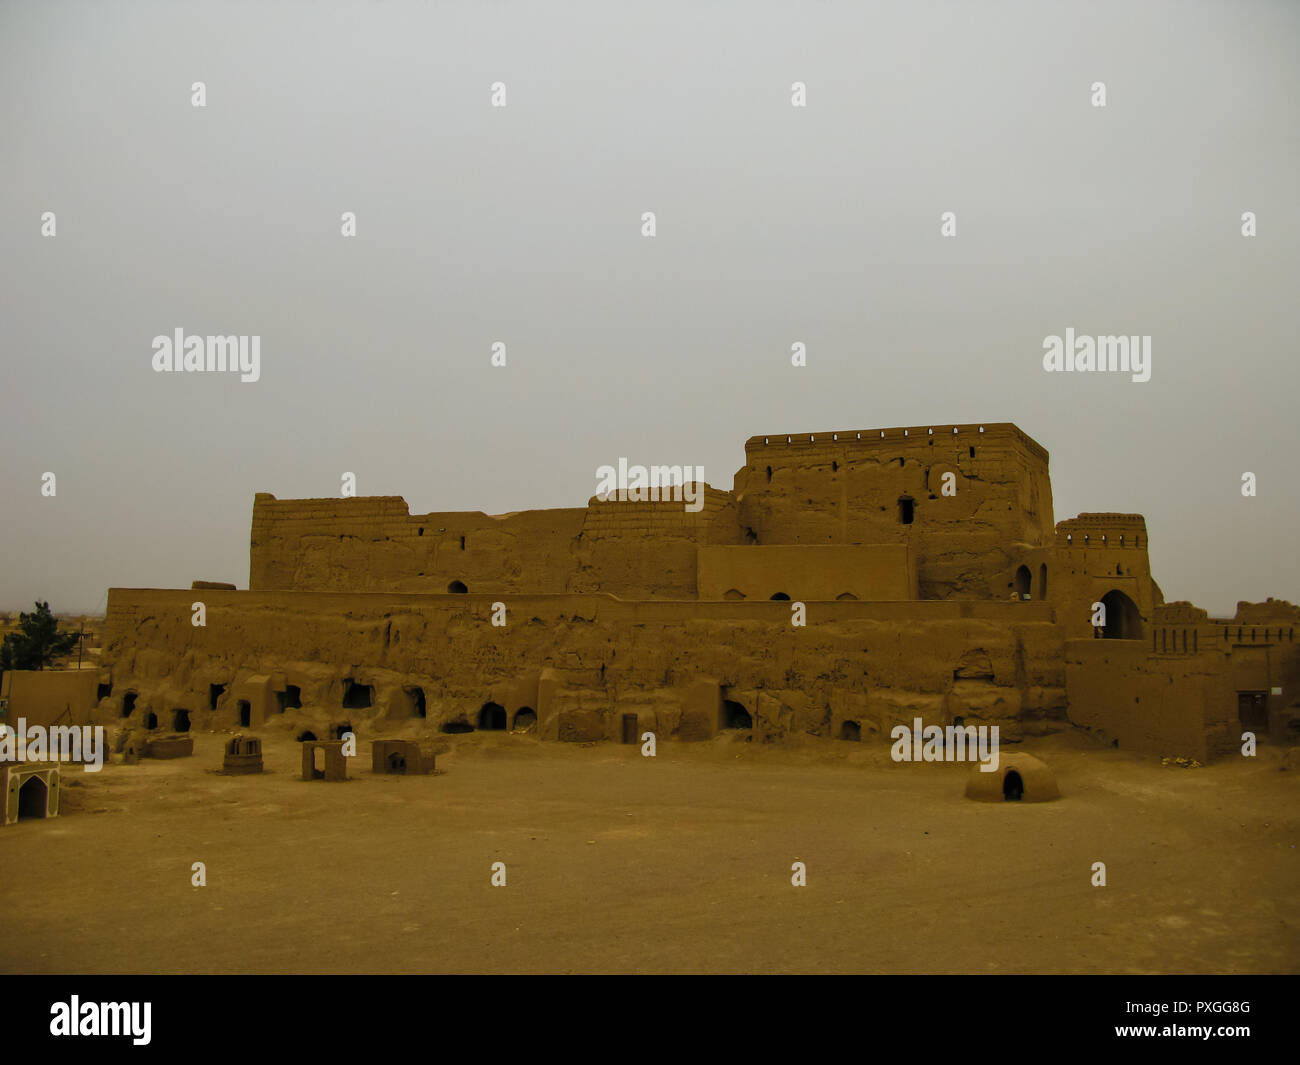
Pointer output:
x,y
1018,778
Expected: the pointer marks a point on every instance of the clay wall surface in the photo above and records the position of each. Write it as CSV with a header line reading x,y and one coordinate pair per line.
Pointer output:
x,y
876,573
373,543
629,548
647,550
44,696
580,662
844,488
1163,706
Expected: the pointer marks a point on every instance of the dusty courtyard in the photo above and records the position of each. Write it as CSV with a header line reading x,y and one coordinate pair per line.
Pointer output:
x,y
679,863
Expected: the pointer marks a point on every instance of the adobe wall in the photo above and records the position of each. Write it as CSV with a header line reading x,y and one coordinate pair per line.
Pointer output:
x,y
844,488
580,662
372,543
1162,705
881,572
44,696
647,550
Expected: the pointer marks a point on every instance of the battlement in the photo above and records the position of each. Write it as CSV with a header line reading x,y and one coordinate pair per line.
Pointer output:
x,y
911,434
1102,530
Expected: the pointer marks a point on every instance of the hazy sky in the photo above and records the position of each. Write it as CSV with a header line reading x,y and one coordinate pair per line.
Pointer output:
x,y
522,224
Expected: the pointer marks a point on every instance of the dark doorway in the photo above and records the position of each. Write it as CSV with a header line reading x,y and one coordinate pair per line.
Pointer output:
x,y
305,736
525,719
851,730
1023,582
340,731
103,692
416,698
33,799
128,703
736,716
781,597
397,763
906,510
629,728
457,727
1013,788
246,714
492,718
151,720
1042,581
180,721
1123,622
290,698
1252,711
357,696
457,588
215,692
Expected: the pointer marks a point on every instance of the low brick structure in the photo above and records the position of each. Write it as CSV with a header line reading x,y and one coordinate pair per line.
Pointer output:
x,y
402,757
169,747
243,755
333,763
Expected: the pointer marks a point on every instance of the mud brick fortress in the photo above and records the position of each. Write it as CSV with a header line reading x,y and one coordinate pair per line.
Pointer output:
x,y
957,599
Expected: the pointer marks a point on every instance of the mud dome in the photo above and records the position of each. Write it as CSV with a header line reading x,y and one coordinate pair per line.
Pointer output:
x,y
1019,778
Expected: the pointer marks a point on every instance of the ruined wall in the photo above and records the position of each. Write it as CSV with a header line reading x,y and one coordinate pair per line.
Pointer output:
x,y
1264,658
586,660
1167,706
630,549
845,488
647,550
877,573
373,543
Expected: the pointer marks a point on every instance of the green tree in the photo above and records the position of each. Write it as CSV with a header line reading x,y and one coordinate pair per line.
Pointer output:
x,y
37,643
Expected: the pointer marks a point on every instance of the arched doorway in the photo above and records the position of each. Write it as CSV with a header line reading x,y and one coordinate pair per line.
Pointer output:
x,y
457,588
736,716
781,597
851,730
33,798
180,721
525,718
1013,787
1123,621
492,718
1024,582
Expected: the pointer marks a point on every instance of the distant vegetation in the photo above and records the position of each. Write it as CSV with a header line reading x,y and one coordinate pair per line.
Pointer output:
x,y
37,643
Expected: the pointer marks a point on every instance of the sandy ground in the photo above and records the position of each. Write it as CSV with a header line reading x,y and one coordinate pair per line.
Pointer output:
x,y
680,863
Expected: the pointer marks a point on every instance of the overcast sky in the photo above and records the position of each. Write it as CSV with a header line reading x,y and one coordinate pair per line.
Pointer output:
x,y
522,224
